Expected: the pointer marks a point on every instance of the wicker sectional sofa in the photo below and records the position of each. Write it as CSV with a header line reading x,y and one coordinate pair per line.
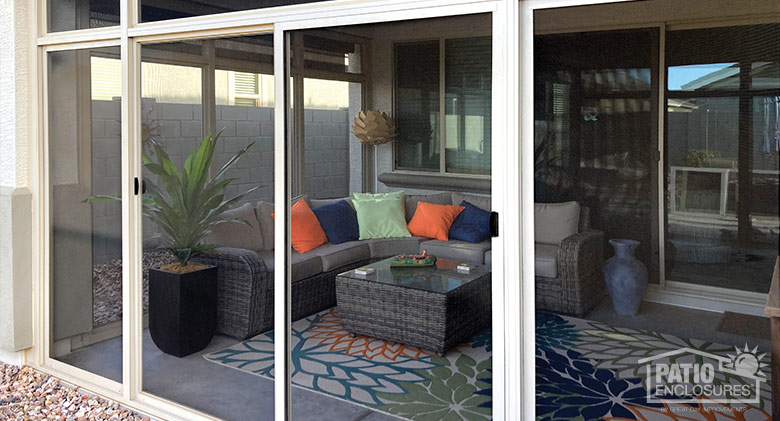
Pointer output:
x,y
245,279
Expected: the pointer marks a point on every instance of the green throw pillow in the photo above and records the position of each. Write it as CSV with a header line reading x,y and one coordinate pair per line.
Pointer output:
x,y
381,218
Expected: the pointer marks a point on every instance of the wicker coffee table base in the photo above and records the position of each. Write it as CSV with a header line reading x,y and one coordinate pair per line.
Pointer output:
x,y
432,321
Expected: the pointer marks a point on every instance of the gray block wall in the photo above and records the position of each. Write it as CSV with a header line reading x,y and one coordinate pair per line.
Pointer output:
x,y
177,128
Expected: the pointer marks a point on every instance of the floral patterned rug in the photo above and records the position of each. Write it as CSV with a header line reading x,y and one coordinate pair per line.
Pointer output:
x,y
585,371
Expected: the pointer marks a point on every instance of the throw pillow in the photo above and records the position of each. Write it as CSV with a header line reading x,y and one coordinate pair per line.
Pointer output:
x,y
376,196
380,218
237,234
306,233
433,221
339,221
555,221
410,201
472,225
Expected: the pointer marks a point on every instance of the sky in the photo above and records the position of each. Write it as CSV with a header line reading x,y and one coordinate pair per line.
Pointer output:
x,y
680,75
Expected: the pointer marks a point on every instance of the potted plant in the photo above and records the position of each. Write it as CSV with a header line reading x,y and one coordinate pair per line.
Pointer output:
x,y
186,206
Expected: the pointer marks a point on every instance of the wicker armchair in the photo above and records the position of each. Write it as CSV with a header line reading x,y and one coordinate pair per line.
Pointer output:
x,y
580,283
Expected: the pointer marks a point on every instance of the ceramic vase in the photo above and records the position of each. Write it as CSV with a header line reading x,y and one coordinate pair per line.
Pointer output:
x,y
626,277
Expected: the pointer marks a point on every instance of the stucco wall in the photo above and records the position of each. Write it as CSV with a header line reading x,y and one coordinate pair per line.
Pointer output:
x,y
15,198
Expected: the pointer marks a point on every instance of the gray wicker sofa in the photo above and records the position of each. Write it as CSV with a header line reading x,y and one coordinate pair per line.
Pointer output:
x,y
245,279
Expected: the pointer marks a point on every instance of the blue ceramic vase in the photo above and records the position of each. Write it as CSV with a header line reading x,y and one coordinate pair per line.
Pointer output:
x,y
626,277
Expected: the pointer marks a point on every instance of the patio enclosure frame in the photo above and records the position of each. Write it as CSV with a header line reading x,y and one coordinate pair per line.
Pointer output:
x,y
512,163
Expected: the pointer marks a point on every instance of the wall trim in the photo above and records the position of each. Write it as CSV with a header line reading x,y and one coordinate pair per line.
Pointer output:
x,y
15,268
696,298
425,181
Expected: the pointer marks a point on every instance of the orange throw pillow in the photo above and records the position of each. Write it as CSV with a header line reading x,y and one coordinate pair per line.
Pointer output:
x,y
433,221
306,233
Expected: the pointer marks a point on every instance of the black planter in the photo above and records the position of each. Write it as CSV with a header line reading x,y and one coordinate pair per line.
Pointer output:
x,y
182,310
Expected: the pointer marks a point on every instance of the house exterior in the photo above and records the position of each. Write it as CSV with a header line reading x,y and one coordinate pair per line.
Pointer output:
x,y
41,124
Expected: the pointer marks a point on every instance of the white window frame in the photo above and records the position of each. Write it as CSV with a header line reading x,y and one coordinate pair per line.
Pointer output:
x,y
513,268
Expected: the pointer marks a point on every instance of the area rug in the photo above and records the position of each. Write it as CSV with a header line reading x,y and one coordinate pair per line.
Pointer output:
x,y
584,371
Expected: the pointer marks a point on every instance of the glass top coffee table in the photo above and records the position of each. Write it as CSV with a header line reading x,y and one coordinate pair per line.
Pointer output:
x,y
433,308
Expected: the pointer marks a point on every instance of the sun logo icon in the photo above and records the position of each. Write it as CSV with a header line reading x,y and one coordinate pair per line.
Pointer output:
x,y
747,362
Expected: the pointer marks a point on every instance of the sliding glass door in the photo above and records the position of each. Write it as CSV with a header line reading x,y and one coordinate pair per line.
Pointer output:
x,y
723,156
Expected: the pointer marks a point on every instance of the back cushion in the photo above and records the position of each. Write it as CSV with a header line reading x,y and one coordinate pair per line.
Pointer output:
x,y
482,202
555,221
237,234
266,222
437,199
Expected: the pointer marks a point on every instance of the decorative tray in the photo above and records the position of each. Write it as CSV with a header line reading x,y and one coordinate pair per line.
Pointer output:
x,y
413,260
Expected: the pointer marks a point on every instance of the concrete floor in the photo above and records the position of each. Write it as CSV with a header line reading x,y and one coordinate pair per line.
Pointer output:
x,y
217,390
235,395
678,321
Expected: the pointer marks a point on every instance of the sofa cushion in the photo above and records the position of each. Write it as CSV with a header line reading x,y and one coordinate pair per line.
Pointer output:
x,y
412,199
472,225
489,257
482,202
303,265
237,234
460,251
334,256
555,221
339,221
433,221
388,247
381,218
546,260
266,221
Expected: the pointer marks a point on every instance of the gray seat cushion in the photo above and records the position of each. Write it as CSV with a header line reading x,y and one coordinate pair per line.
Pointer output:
x,y
303,265
546,260
457,250
387,247
334,256
412,199
489,257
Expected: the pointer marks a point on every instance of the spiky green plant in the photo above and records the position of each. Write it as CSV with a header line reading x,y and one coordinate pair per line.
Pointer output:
x,y
190,202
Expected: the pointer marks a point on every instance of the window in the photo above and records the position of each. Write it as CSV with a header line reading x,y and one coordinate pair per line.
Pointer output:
x,y
452,75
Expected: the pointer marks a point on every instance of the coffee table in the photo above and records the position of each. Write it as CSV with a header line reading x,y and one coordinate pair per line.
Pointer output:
x,y
433,308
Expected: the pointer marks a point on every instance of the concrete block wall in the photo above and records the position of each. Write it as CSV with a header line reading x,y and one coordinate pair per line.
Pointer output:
x,y
177,128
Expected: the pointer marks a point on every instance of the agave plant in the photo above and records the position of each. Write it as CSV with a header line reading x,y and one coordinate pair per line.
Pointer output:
x,y
190,203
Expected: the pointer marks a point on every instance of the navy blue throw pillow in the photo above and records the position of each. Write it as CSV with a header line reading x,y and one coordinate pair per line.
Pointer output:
x,y
472,225
339,221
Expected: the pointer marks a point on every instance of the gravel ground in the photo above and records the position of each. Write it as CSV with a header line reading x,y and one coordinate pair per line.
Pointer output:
x,y
26,394
107,286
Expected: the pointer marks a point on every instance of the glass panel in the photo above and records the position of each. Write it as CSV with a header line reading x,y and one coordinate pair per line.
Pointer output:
x,y
361,344
417,106
322,53
67,15
85,157
595,132
723,147
331,151
156,10
468,84
200,312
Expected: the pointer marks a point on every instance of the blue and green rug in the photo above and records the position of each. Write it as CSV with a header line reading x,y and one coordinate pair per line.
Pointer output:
x,y
585,371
